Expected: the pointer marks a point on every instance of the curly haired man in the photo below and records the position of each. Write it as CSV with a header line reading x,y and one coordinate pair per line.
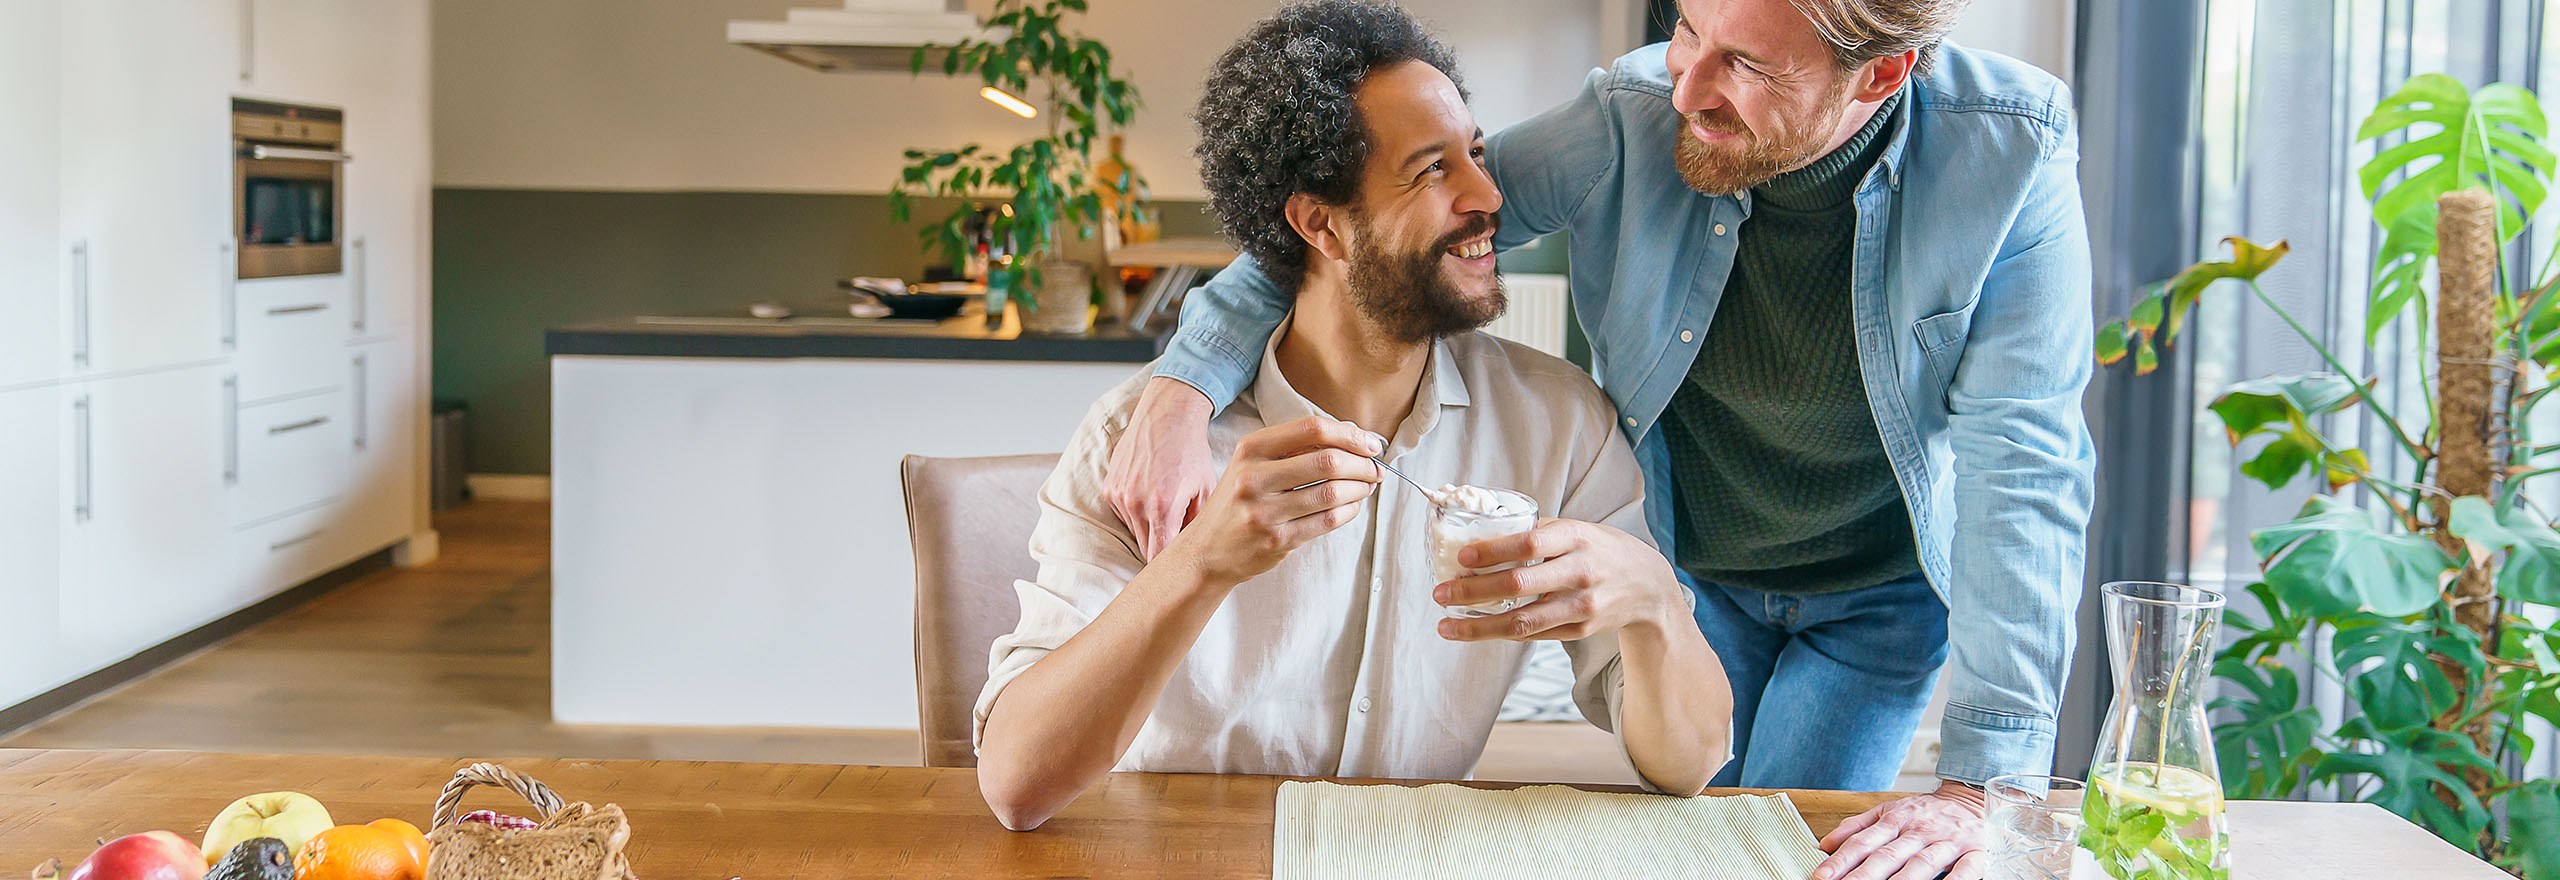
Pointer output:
x,y
1297,626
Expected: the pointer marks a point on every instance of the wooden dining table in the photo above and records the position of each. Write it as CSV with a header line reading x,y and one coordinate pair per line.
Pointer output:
x,y
707,821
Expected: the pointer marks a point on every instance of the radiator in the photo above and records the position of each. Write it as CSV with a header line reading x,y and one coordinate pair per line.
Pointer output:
x,y
1537,313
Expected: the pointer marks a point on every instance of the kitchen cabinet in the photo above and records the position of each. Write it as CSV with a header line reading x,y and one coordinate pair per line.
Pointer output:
x,y
388,406
145,180
389,183
177,444
31,328
146,530
33,425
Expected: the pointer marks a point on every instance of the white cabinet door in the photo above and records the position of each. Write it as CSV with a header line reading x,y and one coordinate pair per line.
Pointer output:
x,y
299,51
33,425
389,183
31,326
148,512
390,410
146,178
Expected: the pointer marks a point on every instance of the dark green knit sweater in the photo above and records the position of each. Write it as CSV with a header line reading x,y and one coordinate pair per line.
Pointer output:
x,y
1782,480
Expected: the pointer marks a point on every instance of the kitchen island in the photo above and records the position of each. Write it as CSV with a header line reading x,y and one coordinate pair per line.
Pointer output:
x,y
729,534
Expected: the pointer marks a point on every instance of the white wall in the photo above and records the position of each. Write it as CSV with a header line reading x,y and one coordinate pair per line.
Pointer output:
x,y
2035,31
648,94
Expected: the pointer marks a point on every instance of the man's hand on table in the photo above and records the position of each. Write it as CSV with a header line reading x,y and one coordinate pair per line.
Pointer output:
x,y
1593,579
1160,469
1915,838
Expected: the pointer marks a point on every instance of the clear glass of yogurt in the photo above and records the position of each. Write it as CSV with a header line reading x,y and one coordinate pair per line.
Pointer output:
x,y
1463,515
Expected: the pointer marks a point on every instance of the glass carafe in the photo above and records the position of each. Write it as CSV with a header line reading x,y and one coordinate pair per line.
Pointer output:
x,y
2154,804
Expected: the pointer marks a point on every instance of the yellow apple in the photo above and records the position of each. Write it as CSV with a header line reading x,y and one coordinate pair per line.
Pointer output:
x,y
289,816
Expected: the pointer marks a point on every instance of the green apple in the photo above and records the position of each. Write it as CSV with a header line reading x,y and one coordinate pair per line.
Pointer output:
x,y
289,816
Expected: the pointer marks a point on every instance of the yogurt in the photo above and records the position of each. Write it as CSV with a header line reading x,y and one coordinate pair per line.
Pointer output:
x,y
1463,515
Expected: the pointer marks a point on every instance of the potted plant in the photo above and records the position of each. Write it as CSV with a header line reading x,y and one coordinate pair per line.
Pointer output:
x,y
1045,182
2424,592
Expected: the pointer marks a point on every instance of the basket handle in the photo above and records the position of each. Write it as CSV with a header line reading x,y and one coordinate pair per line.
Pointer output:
x,y
449,803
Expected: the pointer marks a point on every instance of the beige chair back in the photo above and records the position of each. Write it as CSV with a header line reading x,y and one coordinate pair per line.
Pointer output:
x,y
970,520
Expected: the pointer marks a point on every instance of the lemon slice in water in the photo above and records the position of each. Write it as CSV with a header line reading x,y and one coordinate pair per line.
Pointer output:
x,y
2176,791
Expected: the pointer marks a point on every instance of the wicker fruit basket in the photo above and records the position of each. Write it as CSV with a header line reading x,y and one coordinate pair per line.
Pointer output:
x,y
571,841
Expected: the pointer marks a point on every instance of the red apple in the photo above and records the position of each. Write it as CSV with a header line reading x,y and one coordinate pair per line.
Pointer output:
x,y
151,855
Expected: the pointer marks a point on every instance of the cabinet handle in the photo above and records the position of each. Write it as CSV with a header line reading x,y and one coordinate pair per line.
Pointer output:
x,y
81,510
363,416
231,430
295,310
80,304
364,279
288,542
230,300
313,422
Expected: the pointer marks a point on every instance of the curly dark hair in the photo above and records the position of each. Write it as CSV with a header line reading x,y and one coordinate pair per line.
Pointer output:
x,y
1276,117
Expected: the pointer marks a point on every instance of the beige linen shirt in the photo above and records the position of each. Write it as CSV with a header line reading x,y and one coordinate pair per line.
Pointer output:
x,y
1331,664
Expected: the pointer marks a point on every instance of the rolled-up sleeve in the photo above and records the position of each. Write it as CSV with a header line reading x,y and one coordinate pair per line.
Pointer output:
x,y
1086,555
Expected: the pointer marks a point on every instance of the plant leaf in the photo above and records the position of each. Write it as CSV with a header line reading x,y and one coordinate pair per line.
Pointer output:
x,y
2532,570
2399,273
2405,688
2533,826
2332,559
2414,765
2111,343
2284,406
2263,753
2248,261
2282,629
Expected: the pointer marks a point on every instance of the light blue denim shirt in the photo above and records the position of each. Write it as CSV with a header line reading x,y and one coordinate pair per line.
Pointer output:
x,y
1970,289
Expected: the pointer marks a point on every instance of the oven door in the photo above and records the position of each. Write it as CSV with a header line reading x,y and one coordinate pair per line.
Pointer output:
x,y
288,210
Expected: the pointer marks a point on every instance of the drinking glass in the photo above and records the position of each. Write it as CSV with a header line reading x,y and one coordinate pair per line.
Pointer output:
x,y
2035,826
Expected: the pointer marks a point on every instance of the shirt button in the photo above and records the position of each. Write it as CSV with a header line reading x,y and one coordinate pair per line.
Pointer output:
x,y
1631,421
1376,584
1719,229
1686,336
1364,704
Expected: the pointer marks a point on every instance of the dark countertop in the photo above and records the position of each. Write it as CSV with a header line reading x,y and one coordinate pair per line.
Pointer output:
x,y
962,338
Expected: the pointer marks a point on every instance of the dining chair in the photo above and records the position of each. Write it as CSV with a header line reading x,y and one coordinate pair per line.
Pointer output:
x,y
970,520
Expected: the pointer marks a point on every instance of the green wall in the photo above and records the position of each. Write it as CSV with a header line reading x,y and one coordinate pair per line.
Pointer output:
x,y
510,263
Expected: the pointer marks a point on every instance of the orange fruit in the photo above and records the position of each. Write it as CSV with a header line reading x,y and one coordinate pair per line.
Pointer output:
x,y
410,835
356,852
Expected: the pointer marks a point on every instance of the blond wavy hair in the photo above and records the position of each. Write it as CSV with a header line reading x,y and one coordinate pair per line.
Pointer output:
x,y
1860,31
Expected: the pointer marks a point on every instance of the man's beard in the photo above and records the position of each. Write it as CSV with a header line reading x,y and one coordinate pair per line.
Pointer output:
x,y
1724,171
1408,296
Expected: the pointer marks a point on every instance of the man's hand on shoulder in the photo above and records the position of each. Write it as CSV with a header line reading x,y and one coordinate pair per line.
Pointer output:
x,y
1589,579
1287,484
1160,467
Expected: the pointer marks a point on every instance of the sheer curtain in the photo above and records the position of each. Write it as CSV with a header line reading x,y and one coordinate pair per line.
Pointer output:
x,y
2283,85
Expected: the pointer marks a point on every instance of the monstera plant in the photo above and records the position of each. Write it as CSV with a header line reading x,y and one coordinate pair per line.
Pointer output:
x,y
2426,593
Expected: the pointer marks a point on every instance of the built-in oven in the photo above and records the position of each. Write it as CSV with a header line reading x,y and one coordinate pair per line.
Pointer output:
x,y
288,187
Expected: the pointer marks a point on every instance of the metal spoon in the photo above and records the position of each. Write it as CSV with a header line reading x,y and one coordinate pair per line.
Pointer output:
x,y
1426,491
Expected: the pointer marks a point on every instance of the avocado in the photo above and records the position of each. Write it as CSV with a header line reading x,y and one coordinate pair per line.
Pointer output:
x,y
258,858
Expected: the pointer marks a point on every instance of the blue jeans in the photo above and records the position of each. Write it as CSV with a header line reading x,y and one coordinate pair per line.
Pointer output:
x,y
1846,677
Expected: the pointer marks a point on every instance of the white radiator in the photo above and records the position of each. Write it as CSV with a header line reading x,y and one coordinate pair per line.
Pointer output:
x,y
1537,313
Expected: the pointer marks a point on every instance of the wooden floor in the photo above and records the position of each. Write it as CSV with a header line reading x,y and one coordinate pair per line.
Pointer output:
x,y
453,659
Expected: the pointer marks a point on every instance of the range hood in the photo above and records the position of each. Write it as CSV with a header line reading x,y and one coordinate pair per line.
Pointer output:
x,y
864,35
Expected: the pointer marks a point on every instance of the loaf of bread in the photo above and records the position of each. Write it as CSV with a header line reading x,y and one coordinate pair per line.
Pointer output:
x,y
579,842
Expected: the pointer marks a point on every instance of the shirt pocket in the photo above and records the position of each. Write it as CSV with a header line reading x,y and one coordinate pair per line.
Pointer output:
x,y
1942,340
